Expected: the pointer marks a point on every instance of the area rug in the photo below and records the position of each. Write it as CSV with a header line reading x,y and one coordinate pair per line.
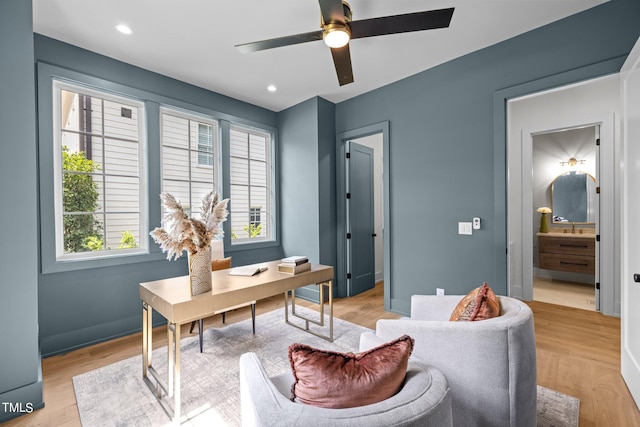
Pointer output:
x,y
557,409
116,395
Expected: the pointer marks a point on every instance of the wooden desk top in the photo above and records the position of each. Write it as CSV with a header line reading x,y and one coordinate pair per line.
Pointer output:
x,y
172,297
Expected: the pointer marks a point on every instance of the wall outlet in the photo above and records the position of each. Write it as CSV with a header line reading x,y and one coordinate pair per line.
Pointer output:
x,y
439,291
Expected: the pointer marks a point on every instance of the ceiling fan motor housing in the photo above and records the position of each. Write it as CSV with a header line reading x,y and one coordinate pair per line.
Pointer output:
x,y
348,16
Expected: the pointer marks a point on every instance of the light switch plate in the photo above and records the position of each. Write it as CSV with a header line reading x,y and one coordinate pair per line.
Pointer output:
x,y
465,228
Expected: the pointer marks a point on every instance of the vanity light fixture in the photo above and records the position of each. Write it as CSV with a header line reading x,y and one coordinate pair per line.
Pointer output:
x,y
572,162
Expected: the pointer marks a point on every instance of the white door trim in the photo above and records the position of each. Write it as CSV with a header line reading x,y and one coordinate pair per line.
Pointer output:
x,y
606,179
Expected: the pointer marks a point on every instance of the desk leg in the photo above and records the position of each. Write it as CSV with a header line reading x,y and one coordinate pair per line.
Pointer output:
x,y
331,310
176,374
307,321
147,338
151,377
173,368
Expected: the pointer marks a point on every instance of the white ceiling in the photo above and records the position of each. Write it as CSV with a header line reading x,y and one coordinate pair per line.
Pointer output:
x,y
193,40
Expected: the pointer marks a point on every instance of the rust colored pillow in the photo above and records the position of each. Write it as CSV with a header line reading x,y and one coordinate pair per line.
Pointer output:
x,y
330,379
220,264
479,304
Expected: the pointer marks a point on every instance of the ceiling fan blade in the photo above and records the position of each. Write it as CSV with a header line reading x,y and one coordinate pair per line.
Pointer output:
x,y
342,62
331,10
280,41
405,23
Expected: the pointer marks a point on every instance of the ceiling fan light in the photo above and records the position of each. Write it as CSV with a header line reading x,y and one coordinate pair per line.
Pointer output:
x,y
336,37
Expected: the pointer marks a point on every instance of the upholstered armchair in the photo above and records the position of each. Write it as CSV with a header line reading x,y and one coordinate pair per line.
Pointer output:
x,y
424,401
490,364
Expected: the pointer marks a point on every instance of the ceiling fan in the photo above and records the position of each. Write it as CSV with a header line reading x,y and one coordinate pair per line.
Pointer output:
x,y
338,29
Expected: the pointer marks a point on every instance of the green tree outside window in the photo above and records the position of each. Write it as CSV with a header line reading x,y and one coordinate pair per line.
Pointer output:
x,y
82,232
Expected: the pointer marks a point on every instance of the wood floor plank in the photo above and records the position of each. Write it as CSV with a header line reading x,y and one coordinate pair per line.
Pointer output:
x,y
578,353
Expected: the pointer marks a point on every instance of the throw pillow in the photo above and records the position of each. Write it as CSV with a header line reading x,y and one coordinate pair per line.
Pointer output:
x,y
479,304
220,264
329,379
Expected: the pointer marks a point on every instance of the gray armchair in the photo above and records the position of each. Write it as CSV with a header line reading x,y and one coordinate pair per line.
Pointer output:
x,y
423,401
490,364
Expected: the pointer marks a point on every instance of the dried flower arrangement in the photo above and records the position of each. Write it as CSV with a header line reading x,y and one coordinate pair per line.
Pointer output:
x,y
544,210
189,234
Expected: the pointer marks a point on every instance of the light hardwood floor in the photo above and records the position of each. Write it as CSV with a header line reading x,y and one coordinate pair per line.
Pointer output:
x,y
571,294
578,354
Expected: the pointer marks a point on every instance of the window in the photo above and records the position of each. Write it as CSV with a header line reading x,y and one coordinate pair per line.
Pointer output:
x,y
189,157
254,216
251,193
205,144
98,173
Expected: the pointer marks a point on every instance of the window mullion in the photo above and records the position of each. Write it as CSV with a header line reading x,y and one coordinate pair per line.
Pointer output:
x,y
190,167
103,177
249,179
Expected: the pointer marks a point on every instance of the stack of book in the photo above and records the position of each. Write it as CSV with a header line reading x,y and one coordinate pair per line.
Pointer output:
x,y
294,265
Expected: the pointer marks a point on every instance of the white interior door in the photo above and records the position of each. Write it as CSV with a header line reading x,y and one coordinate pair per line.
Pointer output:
x,y
630,82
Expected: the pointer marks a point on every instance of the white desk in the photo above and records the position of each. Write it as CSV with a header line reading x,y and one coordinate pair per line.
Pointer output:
x,y
172,298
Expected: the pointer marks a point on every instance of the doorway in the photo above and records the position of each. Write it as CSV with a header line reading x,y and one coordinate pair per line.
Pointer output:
x,y
376,139
585,104
564,179
365,230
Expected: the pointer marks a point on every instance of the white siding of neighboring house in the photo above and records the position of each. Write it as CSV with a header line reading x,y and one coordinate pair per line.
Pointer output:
x,y
249,180
188,180
180,161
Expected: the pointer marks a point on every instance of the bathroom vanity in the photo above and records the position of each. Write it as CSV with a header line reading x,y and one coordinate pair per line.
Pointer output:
x,y
574,253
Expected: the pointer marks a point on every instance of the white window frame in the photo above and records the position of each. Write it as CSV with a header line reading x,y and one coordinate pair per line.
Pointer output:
x,y
58,86
268,220
215,168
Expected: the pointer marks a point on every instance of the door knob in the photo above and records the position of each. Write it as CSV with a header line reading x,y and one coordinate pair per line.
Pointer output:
x,y
636,277
373,234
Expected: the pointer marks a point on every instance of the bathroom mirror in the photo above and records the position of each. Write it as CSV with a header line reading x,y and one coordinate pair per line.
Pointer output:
x,y
573,198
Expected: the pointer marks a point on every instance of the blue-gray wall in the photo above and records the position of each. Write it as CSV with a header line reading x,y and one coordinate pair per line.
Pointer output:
x,y
327,182
20,376
447,162
299,179
307,177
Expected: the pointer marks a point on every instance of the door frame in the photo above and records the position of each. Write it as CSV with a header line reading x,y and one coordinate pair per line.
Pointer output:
x,y
505,250
606,214
341,206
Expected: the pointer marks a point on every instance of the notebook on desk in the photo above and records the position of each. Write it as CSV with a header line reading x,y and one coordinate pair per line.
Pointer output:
x,y
248,270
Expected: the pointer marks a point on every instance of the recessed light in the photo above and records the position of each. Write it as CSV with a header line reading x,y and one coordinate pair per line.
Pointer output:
x,y
123,29
272,88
